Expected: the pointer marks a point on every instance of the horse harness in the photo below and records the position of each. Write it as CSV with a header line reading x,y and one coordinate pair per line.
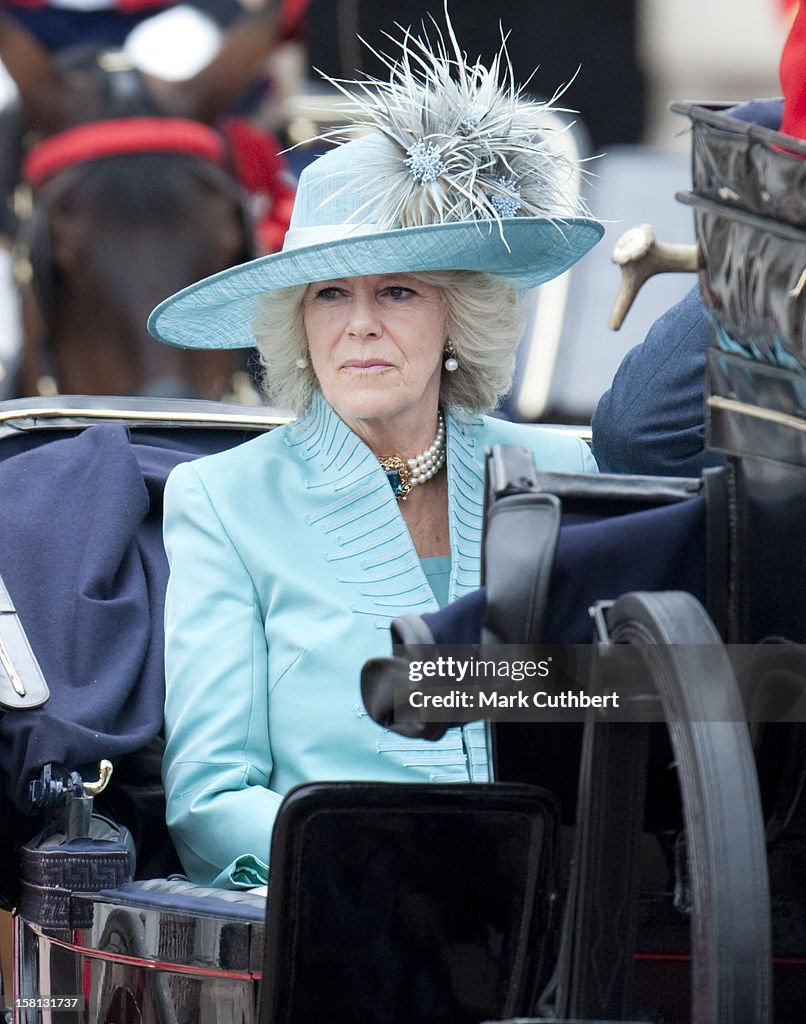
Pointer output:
x,y
56,164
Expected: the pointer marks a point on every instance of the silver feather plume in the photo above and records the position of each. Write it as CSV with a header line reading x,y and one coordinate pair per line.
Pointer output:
x,y
464,141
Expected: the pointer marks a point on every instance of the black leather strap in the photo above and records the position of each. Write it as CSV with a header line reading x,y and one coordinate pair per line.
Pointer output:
x,y
720,540
520,539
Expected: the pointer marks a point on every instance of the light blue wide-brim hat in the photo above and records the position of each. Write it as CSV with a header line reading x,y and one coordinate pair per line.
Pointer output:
x,y
333,235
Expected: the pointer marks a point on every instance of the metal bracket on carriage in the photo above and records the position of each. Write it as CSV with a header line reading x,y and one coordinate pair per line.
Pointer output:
x,y
640,256
67,794
598,613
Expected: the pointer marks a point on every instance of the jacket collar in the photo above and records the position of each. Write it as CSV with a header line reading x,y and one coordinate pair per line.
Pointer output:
x,y
363,521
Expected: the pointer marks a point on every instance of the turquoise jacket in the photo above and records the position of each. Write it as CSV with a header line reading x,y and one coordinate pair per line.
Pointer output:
x,y
289,559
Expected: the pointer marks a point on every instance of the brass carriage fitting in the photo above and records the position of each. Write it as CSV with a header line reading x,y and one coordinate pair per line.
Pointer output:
x,y
105,774
640,256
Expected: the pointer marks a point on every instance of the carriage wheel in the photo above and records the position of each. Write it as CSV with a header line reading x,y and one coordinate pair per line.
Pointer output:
x,y
689,670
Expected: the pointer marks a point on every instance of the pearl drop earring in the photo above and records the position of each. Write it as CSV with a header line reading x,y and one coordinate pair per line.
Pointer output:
x,y
451,363
302,362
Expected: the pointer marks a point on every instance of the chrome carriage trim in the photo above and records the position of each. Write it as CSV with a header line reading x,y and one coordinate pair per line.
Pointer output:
x,y
70,411
161,939
81,947
114,986
75,411
783,419
584,433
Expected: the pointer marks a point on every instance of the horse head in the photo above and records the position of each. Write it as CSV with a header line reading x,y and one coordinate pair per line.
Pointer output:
x,y
128,196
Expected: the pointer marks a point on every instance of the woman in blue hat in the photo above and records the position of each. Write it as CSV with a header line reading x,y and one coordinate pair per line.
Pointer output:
x,y
388,324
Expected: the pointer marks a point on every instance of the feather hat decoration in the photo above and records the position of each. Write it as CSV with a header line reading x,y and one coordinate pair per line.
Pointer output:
x,y
466,142
448,166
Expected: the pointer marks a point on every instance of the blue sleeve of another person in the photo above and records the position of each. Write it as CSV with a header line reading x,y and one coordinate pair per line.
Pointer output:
x,y
652,418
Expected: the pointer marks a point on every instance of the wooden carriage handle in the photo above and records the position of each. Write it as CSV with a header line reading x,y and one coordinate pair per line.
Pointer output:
x,y
640,256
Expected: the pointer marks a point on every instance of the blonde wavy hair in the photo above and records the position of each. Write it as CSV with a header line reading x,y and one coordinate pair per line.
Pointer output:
x,y
485,319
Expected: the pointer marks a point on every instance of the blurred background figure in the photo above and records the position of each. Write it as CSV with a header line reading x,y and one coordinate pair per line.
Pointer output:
x,y
60,24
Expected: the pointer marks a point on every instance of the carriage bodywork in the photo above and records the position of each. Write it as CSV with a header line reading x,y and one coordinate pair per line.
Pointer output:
x,y
162,949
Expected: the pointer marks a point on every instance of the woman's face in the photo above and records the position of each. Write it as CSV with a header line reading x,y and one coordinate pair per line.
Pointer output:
x,y
376,346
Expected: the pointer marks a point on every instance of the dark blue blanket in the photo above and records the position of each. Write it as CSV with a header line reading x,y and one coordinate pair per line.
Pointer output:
x,y
82,556
600,559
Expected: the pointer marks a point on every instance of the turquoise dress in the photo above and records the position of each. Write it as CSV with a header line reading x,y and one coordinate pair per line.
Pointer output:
x,y
289,559
438,573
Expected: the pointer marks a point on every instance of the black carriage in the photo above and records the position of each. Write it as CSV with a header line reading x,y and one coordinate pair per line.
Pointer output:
x,y
591,880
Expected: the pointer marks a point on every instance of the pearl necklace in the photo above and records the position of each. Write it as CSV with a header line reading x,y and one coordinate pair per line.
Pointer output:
x,y
403,475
